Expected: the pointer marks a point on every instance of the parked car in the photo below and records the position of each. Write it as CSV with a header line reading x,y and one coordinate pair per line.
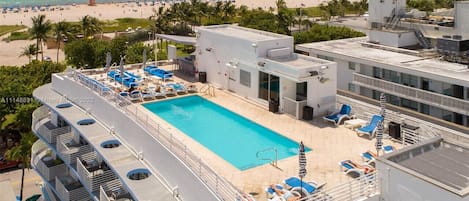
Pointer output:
x,y
5,164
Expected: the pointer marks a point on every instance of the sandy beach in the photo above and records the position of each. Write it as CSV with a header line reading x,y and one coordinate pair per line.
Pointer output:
x,y
9,51
120,10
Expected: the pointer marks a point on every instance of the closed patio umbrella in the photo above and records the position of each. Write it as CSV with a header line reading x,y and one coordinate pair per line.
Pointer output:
x,y
108,61
302,163
121,69
144,63
380,127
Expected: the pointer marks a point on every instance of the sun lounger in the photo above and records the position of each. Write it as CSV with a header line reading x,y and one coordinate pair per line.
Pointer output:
x,y
148,95
371,127
168,90
147,69
271,191
388,149
308,187
353,169
337,117
164,75
179,88
135,96
191,88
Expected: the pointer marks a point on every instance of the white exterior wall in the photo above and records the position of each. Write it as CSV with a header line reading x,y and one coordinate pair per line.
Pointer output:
x,y
397,185
379,9
393,39
54,118
322,96
344,74
462,18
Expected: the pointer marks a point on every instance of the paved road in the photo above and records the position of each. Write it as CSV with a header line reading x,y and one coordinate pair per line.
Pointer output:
x,y
30,180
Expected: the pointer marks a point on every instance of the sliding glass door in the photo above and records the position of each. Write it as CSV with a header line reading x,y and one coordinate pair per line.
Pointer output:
x,y
269,86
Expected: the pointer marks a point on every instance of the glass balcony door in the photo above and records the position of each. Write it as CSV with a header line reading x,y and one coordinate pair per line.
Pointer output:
x,y
269,86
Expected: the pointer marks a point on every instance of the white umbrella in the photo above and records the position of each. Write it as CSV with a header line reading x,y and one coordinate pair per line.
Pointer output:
x,y
108,61
380,127
302,162
144,58
121,68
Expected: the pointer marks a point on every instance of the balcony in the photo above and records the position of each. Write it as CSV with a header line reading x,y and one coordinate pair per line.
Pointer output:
x,y
113,190
69,188
49,132
48,166
427,97
69,149
93,172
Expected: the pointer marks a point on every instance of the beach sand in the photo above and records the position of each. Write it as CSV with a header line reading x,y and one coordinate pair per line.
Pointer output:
x,y
120,10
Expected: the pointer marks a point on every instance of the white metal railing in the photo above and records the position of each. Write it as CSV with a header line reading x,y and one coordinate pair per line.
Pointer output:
x,y
39,114
37,152
218,185
360,188
293,107
94,179
76,192
423,96
364,110
50,134
51,171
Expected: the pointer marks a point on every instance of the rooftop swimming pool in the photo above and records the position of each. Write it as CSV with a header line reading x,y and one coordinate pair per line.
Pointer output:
x,y
229,135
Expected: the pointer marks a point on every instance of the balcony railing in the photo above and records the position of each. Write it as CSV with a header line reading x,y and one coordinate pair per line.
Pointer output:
x,y
360,188
49,167
69,149
419,95
38,115
70,189
93,172
49,132
293,107
113,190
217,184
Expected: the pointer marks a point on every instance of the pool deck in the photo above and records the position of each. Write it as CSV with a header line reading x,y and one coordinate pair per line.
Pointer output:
x,y
329,144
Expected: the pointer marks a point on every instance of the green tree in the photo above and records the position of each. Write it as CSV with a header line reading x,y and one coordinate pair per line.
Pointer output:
x,y
324,33
61,30
135,52
39,31
29,51
22,152
90,26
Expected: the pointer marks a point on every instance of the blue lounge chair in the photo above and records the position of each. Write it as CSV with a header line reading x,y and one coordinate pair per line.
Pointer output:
x,y
388,149
337,117
149,68
350,168
308,187
271,191
161,74
371,127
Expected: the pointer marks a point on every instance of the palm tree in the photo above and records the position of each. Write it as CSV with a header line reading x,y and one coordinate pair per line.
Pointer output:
x,y
22,153
61,29
229,10
29,51
90,26
39,31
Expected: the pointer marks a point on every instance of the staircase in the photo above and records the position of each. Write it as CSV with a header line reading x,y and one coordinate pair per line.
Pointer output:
x,y
424,42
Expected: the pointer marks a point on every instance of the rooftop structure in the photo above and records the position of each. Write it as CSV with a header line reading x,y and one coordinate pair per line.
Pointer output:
x,y
438,167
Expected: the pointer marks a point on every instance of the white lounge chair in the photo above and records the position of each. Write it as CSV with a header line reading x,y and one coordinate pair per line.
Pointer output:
x,y
135,96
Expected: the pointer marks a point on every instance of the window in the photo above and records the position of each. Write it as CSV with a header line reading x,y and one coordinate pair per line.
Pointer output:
x,y
376,72
390,75
409,80
352,65
245,78
409,104
301,91
351,87
424,108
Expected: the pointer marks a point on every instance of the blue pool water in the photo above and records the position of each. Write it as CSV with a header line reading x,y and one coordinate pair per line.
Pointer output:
x,y
229,135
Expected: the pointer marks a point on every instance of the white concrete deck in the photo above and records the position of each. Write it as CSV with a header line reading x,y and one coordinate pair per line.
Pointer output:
x,y
329,145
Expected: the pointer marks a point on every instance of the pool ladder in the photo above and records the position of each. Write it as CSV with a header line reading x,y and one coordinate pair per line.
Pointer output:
x,y
273,162
208,89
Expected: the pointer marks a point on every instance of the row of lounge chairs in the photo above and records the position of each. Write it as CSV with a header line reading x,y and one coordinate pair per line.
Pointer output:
x,y
158,72
345,113
354,169
152,92
129,79
292,187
